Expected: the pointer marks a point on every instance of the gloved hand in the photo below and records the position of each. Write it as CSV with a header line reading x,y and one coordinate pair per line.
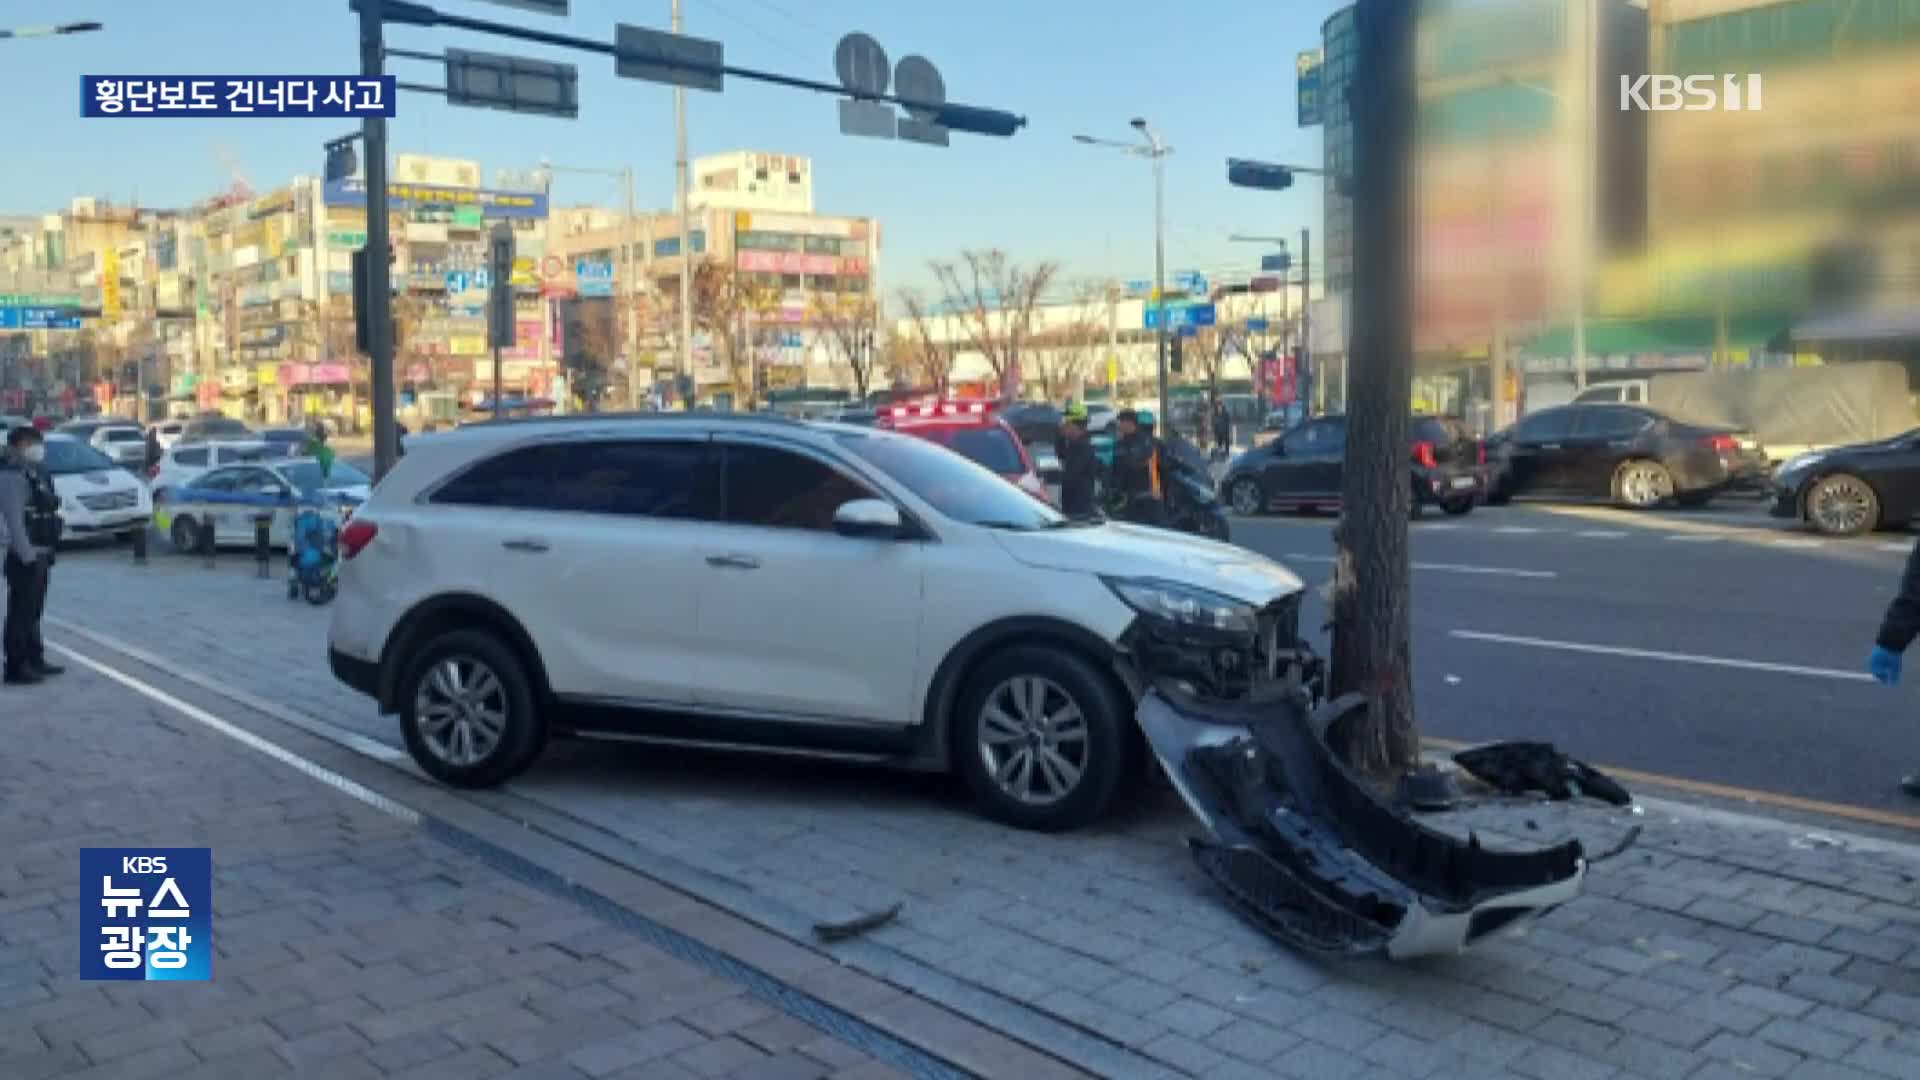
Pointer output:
x,y
1884,665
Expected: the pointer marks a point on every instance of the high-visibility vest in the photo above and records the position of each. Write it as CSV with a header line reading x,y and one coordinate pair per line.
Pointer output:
x,y
1153,471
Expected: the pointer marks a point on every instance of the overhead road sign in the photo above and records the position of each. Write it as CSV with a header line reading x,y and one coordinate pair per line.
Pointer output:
x,y
512,83
675,59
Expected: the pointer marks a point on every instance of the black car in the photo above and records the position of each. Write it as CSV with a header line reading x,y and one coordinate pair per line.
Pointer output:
x,y
214,427
1033,421
1303,469
1634,455
1852,489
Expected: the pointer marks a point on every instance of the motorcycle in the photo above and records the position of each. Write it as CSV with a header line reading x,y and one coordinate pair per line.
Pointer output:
x,y
1186,490
313,565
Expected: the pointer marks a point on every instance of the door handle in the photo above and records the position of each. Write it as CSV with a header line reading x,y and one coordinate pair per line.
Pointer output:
x,y
734,562
531,547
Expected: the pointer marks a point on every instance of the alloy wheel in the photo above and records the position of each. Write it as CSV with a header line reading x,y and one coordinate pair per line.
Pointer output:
x,y
1644,484
1841,504
1033,740
460,709
1246,498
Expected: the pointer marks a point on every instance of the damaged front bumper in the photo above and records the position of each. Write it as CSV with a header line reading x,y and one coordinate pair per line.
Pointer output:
x,y
1310,853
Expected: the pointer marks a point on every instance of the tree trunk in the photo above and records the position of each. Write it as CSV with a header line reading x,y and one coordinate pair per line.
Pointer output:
x,y
1372,653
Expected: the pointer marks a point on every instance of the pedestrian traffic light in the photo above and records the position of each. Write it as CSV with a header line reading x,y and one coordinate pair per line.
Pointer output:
x,y
1173,355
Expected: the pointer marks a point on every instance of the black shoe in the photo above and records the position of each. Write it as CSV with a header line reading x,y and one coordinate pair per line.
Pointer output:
x,y
22,678
1911,785
46,670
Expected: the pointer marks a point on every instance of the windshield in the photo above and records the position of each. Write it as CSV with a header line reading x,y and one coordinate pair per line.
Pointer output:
x,y
65,457
990,447
306,476
953,485
124,435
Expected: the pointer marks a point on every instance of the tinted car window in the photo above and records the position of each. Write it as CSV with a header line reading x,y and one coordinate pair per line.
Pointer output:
x,y
1546,426
633,479
1319,437
65,456
219,480
954,486
191,457
991,447
1429,429
778,488
1610,422
123,435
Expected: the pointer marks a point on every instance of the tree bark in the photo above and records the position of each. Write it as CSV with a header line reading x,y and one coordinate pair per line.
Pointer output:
x,y
1372,652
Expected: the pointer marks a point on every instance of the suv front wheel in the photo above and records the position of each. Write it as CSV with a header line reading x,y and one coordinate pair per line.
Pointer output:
x,y
467,710
1040,738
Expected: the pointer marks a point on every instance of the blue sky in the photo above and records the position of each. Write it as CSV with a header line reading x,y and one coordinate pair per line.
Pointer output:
x,y
1216,76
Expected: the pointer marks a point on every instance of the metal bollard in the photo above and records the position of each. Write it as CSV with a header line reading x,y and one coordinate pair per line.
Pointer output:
x,y
140,543
205,534
262,550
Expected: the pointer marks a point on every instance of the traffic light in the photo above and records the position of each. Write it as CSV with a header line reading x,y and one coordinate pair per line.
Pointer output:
x,y
1258,174
1173,355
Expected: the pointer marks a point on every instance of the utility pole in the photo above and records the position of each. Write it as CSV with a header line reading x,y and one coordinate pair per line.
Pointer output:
x,y
686,228
1372,612
1307,390
632,304
373,136
1112,371
1160,277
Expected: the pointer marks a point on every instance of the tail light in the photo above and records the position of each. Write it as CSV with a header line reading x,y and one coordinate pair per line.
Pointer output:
x,y
1423,453
357,535
1482,449
1725,444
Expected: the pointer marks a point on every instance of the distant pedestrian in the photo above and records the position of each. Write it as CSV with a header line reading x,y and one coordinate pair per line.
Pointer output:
x,y
318,450
29,531
154,452
1079,467
1897,631
1222,427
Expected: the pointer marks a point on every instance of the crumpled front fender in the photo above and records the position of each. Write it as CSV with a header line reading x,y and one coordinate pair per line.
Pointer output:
x,y
1312,855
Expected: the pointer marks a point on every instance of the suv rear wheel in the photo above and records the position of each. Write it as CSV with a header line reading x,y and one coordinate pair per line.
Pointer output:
x,y
1040,738
467,710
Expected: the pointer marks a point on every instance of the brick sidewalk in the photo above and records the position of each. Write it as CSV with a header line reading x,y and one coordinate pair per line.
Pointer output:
x,y
1721,946
349,942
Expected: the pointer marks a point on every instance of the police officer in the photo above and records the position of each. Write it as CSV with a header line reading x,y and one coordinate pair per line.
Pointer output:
x,y
1136,470
1079,467
30,526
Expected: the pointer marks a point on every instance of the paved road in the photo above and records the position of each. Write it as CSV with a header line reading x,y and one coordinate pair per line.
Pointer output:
x,y
1717,647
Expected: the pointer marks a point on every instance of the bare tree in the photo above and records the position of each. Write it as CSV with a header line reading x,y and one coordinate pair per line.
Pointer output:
x,y
929,360
1065,355
994,298
590,335
1372,622
723,301
848,322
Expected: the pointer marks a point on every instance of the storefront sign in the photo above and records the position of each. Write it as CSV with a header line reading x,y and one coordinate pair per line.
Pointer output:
x,y
493,204
267,374
467,345
788,262
791,223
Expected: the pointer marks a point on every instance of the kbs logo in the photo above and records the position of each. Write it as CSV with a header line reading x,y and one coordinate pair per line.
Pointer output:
x,y
1695,93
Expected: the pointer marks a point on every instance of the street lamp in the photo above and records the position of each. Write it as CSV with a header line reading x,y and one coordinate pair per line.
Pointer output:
x,y
1156,150
52,31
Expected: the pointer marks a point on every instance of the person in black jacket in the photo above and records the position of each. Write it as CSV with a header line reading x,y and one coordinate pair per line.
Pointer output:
x,y
29,531
1079,467
1136,472
1897,631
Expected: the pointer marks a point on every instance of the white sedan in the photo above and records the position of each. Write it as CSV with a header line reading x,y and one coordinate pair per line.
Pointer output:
x,y
98,497
185,519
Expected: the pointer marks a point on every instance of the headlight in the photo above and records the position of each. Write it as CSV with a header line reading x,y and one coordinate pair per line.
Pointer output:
x,y
1184,606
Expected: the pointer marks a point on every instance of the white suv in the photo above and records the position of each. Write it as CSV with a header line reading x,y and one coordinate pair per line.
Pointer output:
x,y
749,582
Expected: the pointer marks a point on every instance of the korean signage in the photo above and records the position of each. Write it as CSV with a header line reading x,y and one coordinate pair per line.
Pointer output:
x,y
236,95
146,914
794,223
110,284
38,318
595,278
352,191
8,300
1179,316
788,262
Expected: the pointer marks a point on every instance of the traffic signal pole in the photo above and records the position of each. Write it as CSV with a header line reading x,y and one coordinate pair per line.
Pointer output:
x,y
373,134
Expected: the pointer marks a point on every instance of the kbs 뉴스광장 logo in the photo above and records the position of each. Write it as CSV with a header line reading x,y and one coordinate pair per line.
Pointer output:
x,y
146,914
1695,93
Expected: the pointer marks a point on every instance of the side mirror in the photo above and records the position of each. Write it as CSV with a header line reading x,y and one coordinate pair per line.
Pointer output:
x,y
870,518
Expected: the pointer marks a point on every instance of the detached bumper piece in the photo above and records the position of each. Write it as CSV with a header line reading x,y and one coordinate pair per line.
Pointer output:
x,y
1310,854
1518,768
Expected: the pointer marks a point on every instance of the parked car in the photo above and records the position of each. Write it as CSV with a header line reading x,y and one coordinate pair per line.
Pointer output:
x,y
187,460
168,431
189,516
1852,489
209,428
289,441
857,593
1305,468
973,431
9,421
121,440
98,497
1634,455
1034,422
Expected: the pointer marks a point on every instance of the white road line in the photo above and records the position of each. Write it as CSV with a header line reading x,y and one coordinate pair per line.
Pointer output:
x,y
1602,534
246,738
1696,538
1448,568
1517,530
1439,526
1669,657
1797,542
1901,548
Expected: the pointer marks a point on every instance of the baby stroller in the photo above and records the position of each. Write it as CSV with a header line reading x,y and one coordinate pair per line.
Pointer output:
x,y
313,563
